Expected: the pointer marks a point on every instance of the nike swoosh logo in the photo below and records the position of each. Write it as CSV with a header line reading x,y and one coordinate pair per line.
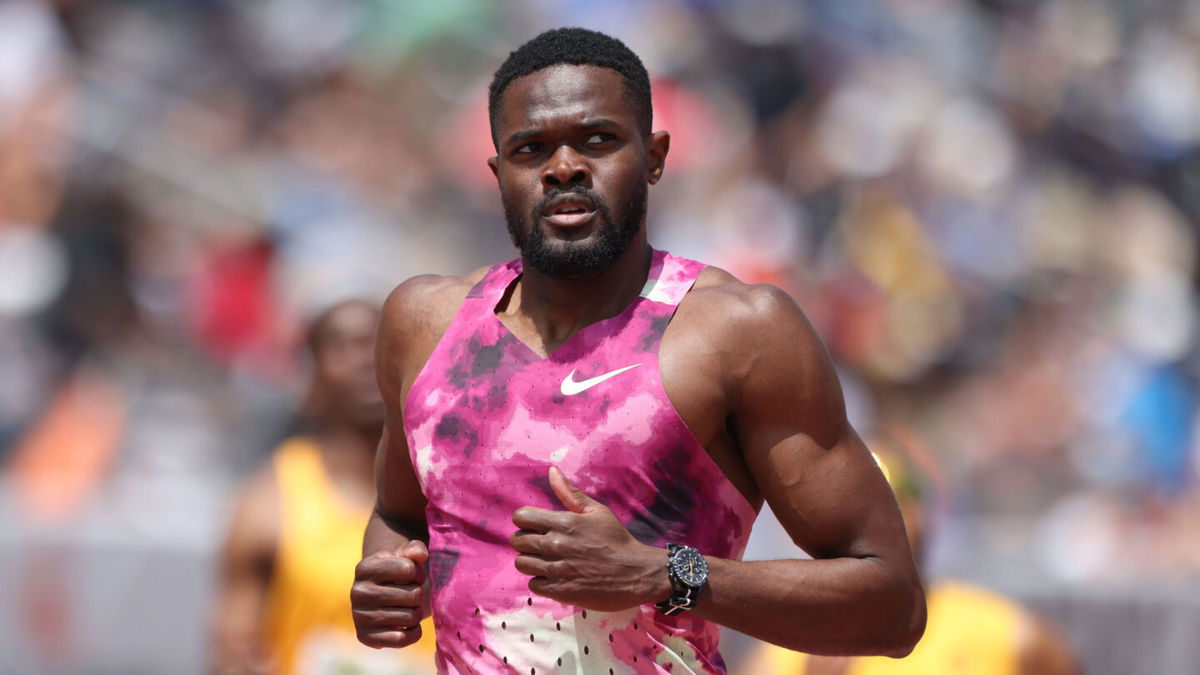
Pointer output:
x,y
570,387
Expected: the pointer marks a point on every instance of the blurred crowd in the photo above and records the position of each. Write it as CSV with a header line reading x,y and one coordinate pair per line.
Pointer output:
x,y
988,208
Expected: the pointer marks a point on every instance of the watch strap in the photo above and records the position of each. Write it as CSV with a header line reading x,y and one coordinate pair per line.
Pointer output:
x,y
683,596
679,601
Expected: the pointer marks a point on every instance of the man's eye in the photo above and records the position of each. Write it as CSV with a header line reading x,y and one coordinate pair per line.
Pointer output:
x,y
528,149
597,139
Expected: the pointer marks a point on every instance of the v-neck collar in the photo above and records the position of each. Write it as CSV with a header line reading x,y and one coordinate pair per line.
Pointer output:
x,y
510,274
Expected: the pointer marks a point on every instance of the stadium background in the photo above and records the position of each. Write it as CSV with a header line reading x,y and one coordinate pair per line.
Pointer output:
x,y
988,208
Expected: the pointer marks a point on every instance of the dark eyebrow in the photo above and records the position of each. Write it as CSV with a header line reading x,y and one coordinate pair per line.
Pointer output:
x,y
522,136
593,125
599,124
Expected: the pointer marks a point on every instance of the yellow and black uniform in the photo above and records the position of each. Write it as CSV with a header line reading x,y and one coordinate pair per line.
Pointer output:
x,y
309,628
971,631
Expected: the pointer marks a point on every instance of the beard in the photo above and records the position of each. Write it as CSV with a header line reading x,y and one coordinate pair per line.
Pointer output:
x,y
560,259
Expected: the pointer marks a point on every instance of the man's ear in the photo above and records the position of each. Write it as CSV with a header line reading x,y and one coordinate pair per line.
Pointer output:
x,y
656,150
494,165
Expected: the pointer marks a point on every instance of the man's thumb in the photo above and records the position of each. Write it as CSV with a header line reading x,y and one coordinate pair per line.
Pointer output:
x,y
572,497
415,550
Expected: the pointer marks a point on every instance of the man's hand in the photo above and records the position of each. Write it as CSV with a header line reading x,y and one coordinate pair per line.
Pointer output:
x,y
585,556
389,597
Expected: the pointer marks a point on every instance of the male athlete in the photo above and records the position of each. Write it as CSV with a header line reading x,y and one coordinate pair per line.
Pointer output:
x,y
584,435
294,536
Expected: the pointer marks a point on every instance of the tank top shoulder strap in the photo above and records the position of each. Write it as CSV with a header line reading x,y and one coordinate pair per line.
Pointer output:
x,y
670,278
478,306
488,290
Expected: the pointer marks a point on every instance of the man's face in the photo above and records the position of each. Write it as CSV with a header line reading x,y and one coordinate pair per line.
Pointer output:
x,y
573,168
344,357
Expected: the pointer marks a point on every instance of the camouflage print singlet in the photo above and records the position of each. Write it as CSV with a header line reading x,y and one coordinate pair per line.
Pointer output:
x,y
485,420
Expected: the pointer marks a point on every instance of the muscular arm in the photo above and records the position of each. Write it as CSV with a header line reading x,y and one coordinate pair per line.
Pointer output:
x,y
411,323
399,513
246,563
774,388
389,596
861,593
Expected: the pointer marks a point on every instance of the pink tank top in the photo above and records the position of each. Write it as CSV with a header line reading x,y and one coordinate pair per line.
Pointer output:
x,y
488,416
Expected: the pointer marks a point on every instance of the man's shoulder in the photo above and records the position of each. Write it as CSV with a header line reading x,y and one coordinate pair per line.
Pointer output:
x,y
718,295
748,325
427,300
257,517
417,292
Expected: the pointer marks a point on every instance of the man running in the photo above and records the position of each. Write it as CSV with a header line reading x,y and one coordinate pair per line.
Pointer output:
x,y
584,435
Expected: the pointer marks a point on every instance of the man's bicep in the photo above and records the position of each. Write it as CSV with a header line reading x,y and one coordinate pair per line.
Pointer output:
x,y
809,464
833,501
398,491
414,318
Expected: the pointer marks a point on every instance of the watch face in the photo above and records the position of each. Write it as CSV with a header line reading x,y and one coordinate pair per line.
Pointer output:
x,y
689,567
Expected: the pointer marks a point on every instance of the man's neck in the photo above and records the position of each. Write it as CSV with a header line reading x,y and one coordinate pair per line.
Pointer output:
x,y
558,308
349,451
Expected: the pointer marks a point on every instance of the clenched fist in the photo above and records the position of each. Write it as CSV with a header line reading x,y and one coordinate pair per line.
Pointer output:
x,y
389,597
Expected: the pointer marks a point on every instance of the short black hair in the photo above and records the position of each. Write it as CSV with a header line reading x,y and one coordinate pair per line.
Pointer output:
x,y
577,47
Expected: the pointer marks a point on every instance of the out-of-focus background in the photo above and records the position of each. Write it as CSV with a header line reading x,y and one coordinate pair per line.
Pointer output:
x,y
988,208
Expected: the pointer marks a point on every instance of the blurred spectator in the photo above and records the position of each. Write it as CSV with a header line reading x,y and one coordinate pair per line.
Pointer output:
x,y
296,534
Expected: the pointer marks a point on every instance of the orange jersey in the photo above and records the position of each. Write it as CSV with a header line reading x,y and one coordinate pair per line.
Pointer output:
x,y
309,628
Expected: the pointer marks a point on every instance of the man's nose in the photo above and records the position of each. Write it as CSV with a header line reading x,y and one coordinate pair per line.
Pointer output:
x,y
566,167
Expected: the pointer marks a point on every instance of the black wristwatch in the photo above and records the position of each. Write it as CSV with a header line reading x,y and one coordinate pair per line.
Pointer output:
x,y
689,573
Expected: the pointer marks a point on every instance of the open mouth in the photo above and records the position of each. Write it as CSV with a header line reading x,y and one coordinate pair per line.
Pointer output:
x,y
569,211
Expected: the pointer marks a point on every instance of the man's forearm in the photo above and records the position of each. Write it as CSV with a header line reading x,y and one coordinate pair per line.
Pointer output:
x,y
837,606
389,534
